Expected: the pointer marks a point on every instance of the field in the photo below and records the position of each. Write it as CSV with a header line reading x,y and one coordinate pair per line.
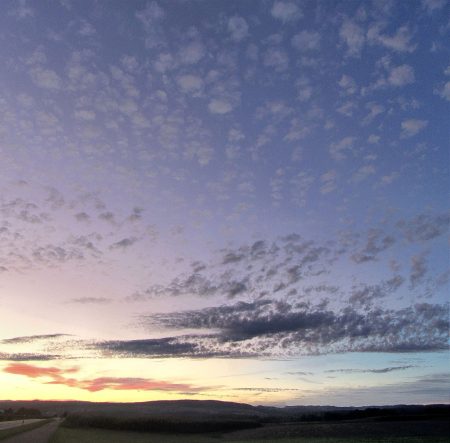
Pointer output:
x,y
65,435
306,433
187,421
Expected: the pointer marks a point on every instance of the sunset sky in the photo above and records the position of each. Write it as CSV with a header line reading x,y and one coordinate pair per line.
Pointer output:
x,y
225,199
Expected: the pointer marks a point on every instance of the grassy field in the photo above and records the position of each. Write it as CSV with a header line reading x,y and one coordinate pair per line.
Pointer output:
x,y
68,435
71,435
5,433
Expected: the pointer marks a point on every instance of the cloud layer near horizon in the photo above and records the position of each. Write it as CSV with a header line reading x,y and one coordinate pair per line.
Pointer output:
x,y
58,376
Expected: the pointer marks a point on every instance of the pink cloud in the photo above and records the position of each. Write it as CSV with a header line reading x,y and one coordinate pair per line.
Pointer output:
x,y
57,377
118,383
36,371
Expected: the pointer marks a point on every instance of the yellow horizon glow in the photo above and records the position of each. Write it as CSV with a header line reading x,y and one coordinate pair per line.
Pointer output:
x,y
202,374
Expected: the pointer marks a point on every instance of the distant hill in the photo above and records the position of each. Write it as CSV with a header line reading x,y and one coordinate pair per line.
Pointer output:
x,y
164,408
192,409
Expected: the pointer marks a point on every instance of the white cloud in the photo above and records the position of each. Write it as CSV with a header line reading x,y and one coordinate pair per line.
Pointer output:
x,y
140,121
300,185
200,150
25,100
412,127
401,75
235,135
86,29
445,91
238,28
129,63
84,114
192,53
150,14
362,173
347,108
165,62
306,41
348,84
389,178
400,41
37,57
48,123
338,150
190,84
285,11
277,59
151,17
373,139
305,92
375,109
433,5
328,180
22,10
45,78
297,130
128,107
219,106
353,36
276,110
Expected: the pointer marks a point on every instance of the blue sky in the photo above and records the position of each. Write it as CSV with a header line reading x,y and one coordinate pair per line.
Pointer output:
x,y
190,181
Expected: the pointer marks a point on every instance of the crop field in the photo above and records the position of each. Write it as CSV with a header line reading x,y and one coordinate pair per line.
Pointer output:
x,y
65,435
92,435
369,426
350,431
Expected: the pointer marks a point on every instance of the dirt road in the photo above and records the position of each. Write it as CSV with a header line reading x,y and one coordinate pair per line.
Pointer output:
x,y
15,423
39,435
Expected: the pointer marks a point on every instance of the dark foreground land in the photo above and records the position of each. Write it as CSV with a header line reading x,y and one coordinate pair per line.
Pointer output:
x,y
221,422
40,433
290,433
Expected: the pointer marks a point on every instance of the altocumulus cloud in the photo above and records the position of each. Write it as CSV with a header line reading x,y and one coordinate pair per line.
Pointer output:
x,y
269,327
32,338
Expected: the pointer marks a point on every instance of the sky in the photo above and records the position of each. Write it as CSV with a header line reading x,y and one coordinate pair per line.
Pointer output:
x,y
223,199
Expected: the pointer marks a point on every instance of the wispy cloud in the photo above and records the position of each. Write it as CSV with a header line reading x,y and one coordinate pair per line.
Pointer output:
x,y
275,328
59,376
373,371
32,338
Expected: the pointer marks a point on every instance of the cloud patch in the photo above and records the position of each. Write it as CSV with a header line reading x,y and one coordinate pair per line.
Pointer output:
x,y
59,376
283,328
238,28
219,106
90,300
371,371
412,127
32,338
285,11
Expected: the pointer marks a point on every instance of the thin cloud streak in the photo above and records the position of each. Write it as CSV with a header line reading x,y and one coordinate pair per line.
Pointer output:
x,y
57,376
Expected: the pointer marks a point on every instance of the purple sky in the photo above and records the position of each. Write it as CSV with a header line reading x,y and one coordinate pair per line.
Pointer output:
x,y
186,183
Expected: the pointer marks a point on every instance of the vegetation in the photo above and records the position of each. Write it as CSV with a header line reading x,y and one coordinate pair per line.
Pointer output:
x,y
219,422
19,414
411,413
71,435
400,424
158,424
